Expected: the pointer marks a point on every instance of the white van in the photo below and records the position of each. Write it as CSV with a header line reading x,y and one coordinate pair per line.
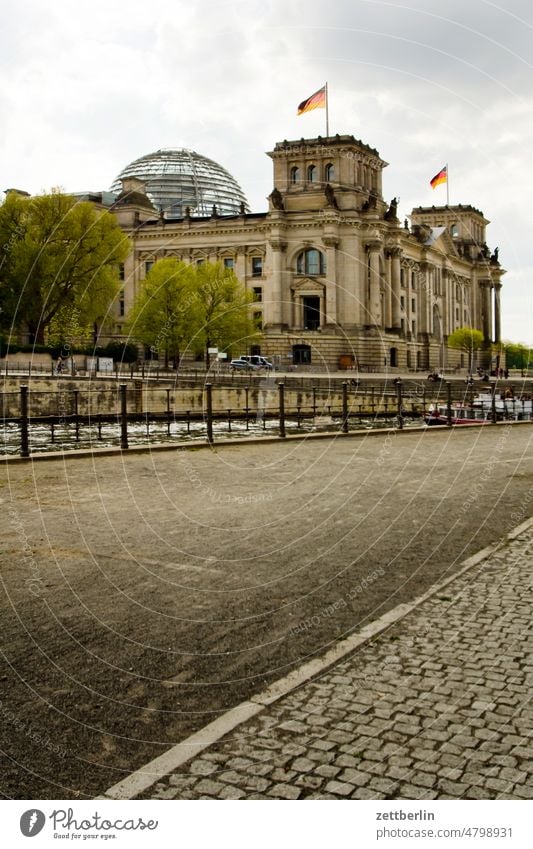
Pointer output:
x,y
257,361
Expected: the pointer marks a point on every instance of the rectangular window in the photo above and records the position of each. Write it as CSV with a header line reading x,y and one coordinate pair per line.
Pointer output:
x,y
257,266
402,278
121,306
258,320
413,280
258,293
121,271
200,261
402,302
228,262
413,327
413,305
148,265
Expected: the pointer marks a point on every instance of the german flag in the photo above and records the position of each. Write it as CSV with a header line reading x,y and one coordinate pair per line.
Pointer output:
x,y
316,101
441,177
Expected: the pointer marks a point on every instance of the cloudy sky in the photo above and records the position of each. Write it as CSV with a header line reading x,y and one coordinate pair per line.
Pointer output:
x,y
88,86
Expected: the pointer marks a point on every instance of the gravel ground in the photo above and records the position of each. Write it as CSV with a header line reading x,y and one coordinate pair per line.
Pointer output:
x,y
145,594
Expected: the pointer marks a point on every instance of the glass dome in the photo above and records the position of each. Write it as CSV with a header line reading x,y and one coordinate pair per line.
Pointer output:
x,y
176,179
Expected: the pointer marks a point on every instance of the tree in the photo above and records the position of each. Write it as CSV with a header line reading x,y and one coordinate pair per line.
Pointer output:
x,y
517,355
165,315
224,309
466,339
195,306
60,258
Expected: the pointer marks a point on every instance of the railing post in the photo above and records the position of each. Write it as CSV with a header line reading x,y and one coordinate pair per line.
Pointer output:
x,y
123,416
449,404
24,441
399,402
281,389
345,406
493,404
76,419
209,411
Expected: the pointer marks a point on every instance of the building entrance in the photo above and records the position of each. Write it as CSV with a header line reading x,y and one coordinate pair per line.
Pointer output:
x,y
311,305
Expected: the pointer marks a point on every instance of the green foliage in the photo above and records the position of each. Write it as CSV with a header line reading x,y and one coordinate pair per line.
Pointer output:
x,y
165,313
466,339
197,307
121,352
59,264
517,355
224,309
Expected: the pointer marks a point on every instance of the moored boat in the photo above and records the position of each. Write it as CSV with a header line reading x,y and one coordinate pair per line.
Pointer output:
x,y
481,410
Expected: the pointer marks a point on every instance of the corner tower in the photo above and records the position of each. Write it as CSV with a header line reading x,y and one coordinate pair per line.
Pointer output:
x,y
304,169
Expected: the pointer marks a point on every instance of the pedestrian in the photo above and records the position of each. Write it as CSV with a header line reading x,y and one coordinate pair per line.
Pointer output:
x,y
59,366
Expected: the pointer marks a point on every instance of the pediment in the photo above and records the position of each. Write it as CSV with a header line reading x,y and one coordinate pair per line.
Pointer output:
x,y
440,236
309,285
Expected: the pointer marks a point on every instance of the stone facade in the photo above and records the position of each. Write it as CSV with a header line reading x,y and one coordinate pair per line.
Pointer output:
x,y
337,278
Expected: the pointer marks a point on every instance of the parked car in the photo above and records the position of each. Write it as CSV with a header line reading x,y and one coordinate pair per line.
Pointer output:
x,y
257,361
242,364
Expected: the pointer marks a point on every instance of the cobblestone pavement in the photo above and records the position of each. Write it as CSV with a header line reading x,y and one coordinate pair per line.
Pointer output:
x,y
437,707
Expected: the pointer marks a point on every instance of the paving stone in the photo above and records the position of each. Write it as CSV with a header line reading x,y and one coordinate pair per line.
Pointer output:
x,y
367,793
284,791
283,775
324,745
231,792
452,788
327,770
353,776
309,781
338,788
202,767
212,788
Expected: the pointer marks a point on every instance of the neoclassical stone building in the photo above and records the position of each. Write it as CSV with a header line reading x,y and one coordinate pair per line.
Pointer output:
x,y
336,277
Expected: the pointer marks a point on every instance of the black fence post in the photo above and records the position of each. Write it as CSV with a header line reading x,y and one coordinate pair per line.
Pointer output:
x,y
24,441
168,412
123,416
399,402
493,404
345,406
281,388
76,418
449,404
209,411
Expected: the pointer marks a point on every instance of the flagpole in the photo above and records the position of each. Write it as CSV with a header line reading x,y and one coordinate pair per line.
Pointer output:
x,y
327,113
447,185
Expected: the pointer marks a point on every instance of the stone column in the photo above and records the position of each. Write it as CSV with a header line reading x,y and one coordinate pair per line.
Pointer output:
x,y
497,313
240,265
374,305
330,306
486,311
277,308
396,255
387,314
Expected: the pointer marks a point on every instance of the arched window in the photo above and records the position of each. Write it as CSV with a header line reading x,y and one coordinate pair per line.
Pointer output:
x,y
312,174
295,174
311,261
330,173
